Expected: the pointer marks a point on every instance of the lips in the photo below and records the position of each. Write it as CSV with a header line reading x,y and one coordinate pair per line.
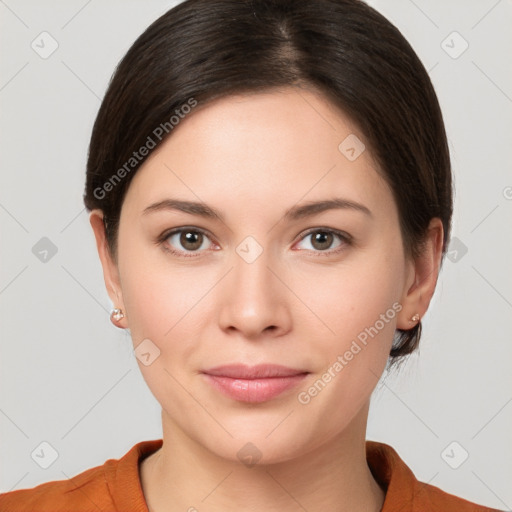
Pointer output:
x,y
253,384
261,371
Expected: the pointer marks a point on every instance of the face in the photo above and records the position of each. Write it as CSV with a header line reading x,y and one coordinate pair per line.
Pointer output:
x,y
250,276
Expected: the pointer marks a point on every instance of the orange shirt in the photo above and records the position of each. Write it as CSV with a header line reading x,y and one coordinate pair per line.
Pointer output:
x,y
115,486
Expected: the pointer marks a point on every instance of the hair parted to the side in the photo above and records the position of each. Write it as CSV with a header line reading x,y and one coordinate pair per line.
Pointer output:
x,y
201,50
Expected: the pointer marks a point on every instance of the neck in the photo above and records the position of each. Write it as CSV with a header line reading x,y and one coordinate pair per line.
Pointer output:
x,y
183,475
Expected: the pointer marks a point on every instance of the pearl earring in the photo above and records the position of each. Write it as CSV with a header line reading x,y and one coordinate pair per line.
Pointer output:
x,y
116,315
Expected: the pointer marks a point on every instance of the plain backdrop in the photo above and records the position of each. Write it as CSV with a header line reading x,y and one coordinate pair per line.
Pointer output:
x,y
70,379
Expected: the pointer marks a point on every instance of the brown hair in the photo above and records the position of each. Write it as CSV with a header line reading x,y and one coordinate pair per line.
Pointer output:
x,y
205,49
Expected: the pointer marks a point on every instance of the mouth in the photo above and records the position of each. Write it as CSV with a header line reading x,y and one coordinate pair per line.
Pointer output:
x,y
253,384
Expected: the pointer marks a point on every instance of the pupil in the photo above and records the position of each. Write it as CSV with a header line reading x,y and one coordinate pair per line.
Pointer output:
x,y
322,240
191,240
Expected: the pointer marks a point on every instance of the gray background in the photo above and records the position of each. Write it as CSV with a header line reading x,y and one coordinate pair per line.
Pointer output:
x,y
69,378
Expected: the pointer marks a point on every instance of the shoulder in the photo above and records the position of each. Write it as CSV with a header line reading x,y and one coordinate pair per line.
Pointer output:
x,y
404,491
115,485
85,491
432,498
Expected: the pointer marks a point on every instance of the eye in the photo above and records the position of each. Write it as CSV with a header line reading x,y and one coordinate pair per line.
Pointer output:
x,y
190,242
185,240
321,240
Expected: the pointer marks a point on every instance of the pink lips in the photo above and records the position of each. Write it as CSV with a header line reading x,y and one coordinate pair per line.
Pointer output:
x,y
253,384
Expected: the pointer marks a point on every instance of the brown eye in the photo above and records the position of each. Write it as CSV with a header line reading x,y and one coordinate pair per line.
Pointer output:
x,y
181,241
325,241
191,240
322,240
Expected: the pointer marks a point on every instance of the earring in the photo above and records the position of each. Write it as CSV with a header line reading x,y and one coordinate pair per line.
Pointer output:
x,y
415,318
116,316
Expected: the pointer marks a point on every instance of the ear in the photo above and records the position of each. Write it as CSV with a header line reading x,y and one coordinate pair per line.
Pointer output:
x,y
421,278
110,269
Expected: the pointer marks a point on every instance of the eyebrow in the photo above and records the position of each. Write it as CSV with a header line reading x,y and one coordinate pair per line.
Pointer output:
x,y
294,213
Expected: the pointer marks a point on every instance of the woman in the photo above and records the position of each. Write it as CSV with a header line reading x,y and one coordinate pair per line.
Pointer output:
x,y
270,190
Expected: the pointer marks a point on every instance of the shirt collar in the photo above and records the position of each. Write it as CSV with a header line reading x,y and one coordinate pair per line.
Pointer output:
x,y
388,469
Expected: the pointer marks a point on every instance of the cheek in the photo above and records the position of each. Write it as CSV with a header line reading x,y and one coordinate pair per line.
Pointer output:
x,y
164,305
359,302
353,296
353,359
159,300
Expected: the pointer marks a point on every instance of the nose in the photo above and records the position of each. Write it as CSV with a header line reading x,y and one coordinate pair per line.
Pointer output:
x,y
254,301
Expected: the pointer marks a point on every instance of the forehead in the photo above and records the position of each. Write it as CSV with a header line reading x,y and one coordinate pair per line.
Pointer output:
x,y
260,150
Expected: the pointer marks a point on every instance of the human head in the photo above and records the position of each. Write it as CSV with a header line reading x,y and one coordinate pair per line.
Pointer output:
x,y
203,50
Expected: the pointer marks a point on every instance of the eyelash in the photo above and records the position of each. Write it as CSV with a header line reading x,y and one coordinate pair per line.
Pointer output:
x,y
345,238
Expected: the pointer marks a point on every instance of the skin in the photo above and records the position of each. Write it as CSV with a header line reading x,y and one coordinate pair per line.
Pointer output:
x,y
252,157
